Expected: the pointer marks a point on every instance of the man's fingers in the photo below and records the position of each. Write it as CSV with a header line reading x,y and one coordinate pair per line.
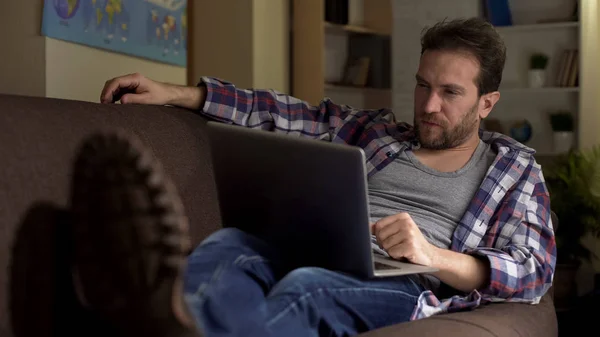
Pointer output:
x,y
384,222
387,221
143,98
385,232
400,252
108,91
402,216
391,219
393,240
111,87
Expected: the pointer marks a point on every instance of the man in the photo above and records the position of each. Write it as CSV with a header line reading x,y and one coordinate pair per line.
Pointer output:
x,y
442,193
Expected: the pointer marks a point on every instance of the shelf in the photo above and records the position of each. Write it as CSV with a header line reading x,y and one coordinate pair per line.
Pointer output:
x,y
335,28
343,87
537,26
540,90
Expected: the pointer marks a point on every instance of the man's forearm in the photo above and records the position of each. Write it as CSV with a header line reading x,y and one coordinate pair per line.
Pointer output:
x,y
187,97
461,271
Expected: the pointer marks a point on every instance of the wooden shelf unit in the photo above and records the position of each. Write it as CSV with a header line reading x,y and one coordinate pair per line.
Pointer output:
x,y
336,28
538,26
527,90
351,88
309,30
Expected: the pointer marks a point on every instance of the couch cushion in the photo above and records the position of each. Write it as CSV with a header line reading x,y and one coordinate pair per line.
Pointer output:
x,y
496,319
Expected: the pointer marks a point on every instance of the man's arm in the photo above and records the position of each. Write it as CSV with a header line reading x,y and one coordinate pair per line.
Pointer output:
x,y
461,271
400,236
265,109
522,261
137,89
274,111
188,97
515,260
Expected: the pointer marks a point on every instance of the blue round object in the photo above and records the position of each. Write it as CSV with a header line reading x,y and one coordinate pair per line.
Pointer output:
x,y
66,9
521,131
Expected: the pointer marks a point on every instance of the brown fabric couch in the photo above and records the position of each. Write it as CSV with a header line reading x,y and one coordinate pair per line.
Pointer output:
x,y
38,137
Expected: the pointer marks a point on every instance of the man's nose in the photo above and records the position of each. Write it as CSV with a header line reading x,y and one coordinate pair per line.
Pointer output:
x,y
433,103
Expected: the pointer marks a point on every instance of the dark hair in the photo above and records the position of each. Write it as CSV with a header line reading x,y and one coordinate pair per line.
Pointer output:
x,y
475,36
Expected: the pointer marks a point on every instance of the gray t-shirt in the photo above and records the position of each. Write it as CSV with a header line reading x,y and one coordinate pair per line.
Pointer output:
x,y
435,200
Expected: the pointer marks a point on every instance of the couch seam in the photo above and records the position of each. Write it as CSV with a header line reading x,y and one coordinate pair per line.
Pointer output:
x,y
467,322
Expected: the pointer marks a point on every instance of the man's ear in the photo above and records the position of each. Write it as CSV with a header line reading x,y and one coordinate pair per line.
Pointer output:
x,y
487,102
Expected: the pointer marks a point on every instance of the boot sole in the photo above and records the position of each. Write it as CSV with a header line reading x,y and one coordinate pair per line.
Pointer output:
x,y
130,233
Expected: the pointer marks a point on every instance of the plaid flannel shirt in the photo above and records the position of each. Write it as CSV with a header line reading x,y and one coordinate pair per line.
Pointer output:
x,y
508,220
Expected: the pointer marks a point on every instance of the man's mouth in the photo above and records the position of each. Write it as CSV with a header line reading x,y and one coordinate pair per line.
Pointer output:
x,y
428,123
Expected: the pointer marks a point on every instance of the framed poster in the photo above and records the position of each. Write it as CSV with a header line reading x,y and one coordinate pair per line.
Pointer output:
x,y
151,29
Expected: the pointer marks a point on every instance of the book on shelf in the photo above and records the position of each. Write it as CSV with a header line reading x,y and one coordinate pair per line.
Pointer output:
x,y
336,11
497,12
356,72
567,74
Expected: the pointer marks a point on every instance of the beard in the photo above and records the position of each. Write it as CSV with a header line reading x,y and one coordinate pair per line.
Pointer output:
x,y
433,139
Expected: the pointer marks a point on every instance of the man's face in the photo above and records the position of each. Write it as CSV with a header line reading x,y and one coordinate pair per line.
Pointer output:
x,y
447,104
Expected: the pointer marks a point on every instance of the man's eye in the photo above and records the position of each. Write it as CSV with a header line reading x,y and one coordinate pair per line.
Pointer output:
x,y
451,93
422,85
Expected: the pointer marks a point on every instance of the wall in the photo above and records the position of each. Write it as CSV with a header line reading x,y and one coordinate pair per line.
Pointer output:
x,y
22,60
35,65
228,54
253,52
251,47
79,72
589,123
590,74
270,50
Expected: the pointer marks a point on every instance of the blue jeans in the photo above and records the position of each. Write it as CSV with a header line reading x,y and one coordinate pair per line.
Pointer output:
x,y
236,286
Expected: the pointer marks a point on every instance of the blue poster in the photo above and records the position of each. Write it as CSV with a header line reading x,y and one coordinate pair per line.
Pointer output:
x,y
152,29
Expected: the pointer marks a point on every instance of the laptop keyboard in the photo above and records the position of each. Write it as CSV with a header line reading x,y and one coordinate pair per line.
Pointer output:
x,y
381,266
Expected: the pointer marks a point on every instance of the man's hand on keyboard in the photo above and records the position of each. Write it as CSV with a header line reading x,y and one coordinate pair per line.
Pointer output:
x,y
401,238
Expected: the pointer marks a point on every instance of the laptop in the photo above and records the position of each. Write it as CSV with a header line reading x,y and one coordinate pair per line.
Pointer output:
x,y
306,198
